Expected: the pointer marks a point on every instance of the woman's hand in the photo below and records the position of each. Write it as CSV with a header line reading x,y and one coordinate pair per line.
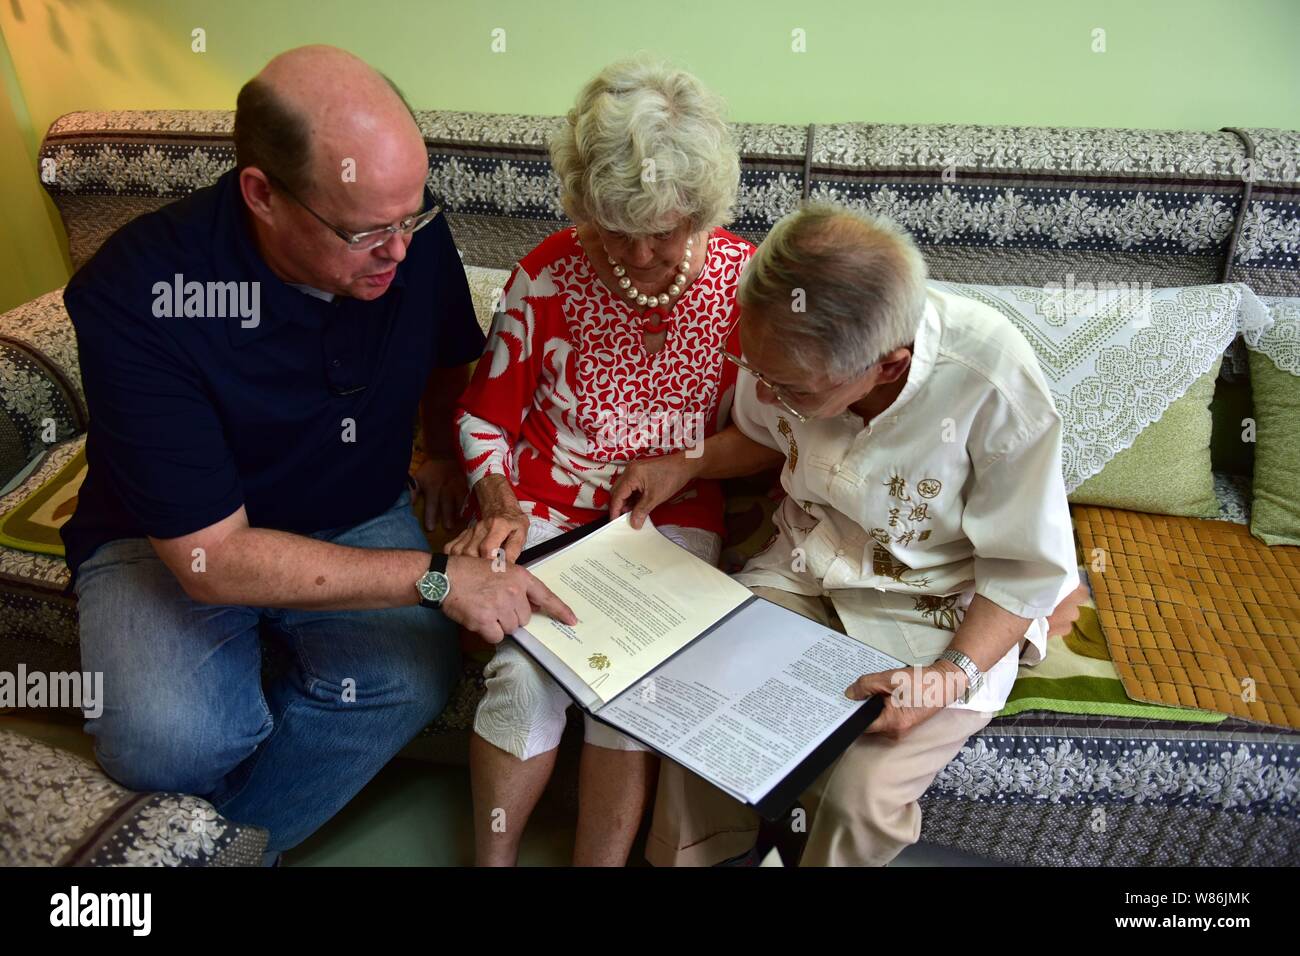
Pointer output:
x,y
502,525
490,534
442,484
648,482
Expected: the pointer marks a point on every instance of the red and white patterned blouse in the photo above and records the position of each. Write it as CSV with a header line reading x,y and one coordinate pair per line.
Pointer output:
x,y
565,394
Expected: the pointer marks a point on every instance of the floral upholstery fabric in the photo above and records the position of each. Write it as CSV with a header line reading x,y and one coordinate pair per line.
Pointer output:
x,y
1059,790
57,809
41,401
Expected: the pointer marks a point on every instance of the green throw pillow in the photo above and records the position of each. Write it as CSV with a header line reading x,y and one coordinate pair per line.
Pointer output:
x,y
1167,468
1275,513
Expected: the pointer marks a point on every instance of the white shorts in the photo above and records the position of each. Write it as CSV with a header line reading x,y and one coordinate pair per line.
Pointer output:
x,y
523,710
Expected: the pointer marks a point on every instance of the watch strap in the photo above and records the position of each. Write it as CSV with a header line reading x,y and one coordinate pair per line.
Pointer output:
x,y
974,677
437,565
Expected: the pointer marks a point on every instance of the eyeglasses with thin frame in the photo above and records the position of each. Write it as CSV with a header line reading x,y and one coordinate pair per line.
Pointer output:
x,y
370,238
780,396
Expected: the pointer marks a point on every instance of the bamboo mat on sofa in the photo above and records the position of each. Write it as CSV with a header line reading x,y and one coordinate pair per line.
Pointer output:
x,y
1197,613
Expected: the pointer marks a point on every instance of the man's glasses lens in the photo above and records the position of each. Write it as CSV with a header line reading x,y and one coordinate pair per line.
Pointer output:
x,y
737,360
365,241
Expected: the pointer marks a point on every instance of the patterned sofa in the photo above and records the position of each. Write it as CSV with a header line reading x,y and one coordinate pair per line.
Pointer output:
x,y
992,205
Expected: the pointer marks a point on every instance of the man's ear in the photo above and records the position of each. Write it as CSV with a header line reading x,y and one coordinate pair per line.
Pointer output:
x,y
256,190
894,365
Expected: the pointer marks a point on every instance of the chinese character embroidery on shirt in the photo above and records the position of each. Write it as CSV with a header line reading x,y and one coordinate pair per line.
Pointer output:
x,y
919,511
784,428
929,487
942,612
888,566
883,562
898,487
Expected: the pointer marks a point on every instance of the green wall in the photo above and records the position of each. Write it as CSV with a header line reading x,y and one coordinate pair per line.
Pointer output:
x,y
1175,64
32,255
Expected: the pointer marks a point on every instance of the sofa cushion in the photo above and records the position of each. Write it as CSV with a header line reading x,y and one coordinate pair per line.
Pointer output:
x,y
57,809
1275,384
486,287
39,614
1197,613
1167,468
1117,356
33,523
1077,676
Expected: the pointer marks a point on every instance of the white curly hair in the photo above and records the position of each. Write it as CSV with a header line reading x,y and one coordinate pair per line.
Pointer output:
x,y
645,146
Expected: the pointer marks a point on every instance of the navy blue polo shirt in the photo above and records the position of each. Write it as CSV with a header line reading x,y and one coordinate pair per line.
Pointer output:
x,y
302,413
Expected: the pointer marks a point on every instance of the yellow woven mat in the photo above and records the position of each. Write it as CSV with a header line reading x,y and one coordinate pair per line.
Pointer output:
x,y
1197,613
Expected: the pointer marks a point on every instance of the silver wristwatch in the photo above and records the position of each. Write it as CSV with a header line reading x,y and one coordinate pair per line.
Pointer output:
x,y
974,677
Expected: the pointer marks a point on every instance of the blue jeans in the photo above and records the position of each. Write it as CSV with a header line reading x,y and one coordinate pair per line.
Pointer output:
x,y
184,706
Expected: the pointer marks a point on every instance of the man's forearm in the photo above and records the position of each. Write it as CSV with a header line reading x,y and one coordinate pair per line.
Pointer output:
x,y
986,634
259,567
731,453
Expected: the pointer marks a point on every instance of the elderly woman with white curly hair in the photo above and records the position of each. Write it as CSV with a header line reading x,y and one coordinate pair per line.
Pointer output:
x,y
604,350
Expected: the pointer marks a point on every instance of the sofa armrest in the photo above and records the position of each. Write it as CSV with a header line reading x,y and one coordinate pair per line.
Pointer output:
x,y
58,809
41,398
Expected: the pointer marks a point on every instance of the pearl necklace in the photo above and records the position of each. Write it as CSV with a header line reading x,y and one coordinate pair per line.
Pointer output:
x,y
655,303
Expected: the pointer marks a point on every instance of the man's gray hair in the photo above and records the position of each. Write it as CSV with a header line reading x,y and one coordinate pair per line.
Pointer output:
x,y
842,288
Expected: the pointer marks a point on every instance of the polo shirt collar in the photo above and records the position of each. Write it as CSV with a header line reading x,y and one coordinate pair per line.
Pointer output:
x,y
312,291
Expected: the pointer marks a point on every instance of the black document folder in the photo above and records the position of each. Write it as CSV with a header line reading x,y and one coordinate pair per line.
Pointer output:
x,y
771,733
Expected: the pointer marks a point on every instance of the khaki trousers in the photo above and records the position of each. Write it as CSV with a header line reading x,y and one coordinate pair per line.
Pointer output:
x,y
862,811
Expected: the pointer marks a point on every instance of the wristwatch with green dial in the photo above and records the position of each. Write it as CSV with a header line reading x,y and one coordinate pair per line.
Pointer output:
x,y
434,586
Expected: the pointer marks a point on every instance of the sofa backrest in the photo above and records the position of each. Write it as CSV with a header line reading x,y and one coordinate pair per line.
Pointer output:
x,y
993,205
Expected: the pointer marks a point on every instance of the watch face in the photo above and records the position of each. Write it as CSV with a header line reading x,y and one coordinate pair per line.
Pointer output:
x,y
433,586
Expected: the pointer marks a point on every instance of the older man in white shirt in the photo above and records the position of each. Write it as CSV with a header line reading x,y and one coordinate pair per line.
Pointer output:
x,y
925,515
